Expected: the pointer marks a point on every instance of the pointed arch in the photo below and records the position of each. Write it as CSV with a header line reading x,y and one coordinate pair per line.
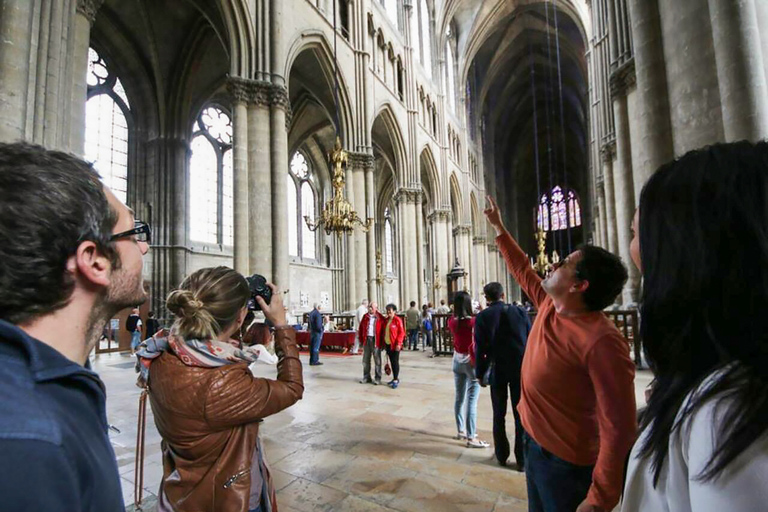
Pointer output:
x,y
386,116
430,179
474,212
316,42
456,200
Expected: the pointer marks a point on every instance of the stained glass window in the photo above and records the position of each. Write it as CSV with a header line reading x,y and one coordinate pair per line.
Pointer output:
x,y
106,125
211,180
302,241
557,212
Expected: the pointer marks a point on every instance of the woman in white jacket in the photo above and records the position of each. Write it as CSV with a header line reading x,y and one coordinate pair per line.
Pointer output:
x,y
701,241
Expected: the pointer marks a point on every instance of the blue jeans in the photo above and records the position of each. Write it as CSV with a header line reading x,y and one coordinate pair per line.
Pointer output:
x,y
554,485
413,338
467,390
135,339
257,509
314,347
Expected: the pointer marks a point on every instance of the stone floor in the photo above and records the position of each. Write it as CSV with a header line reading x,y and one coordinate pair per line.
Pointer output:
x,y
348,446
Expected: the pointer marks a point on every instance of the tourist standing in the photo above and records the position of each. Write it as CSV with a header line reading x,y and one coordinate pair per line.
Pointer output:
x,y
71,257
152,324
501,332
360,312
466,384
443,308
391,340
315,335
370,331
426,326
577,400
412,326
700,233
133,325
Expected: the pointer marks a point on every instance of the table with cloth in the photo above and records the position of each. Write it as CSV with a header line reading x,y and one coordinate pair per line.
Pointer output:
x,y
339,339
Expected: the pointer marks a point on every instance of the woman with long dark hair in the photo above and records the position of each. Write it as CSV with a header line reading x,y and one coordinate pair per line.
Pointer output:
x,y
461,325
701,241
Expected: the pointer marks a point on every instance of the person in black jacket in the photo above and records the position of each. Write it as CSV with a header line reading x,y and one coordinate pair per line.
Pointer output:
x,y
501,332
315,335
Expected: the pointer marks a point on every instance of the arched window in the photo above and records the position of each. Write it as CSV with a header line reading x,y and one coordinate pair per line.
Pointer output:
x,y
391,7
555,216
302,242
210,178
106,125
389,243
450,72
426,38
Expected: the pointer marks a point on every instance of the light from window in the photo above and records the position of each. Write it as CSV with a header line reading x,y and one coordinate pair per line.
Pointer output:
x,y
203,191
106,126
228,200
299,166
426,38
307,209
451,77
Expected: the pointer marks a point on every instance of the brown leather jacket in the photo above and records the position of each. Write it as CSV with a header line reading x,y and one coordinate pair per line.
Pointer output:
x,y
208,418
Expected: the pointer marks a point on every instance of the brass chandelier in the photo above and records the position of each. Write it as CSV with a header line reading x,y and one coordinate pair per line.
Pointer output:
x,y
338,216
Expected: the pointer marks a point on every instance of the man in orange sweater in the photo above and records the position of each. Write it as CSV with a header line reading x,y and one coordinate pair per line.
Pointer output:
x,y
577,402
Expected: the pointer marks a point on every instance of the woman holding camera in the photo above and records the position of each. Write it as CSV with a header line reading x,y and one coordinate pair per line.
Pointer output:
x,y
206,403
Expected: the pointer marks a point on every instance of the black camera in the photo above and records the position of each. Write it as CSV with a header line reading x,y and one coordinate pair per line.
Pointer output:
x,y
259,288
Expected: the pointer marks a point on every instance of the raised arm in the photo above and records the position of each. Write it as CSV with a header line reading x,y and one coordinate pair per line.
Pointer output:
x,y
517,261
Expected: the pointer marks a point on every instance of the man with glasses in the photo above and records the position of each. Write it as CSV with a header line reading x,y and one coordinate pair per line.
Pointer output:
x,y
71,256
577,402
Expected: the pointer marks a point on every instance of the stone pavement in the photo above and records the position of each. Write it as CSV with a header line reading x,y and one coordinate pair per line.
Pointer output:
x,y
348,446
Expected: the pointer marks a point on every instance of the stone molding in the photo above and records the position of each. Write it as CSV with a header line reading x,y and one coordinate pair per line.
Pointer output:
x,y
408,195
358,160
440,215
493,248
262,93
89,8
608,151
623,79
464,229
478,240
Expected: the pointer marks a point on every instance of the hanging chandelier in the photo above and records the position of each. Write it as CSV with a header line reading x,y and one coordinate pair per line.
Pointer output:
x,y
543,264
337,216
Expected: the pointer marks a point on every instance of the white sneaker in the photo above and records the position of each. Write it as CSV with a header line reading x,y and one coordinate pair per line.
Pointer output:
x,y
477,443
460,436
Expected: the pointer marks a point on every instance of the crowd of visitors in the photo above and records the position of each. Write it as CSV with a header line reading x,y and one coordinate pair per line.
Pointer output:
x,y
69,249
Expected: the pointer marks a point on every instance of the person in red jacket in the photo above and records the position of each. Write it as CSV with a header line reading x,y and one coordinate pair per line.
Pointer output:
x,y
391,336
369,333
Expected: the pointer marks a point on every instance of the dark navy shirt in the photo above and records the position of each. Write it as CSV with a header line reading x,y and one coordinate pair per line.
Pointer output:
x,y
55,454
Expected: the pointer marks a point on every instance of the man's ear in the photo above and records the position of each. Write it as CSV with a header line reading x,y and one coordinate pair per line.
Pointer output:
x,y
580,286
91,264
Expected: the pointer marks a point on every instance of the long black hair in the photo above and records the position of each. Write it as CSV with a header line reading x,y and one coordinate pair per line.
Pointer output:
x,y
462,305
704,252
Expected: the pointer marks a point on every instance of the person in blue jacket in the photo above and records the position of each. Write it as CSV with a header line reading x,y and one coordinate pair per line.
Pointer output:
x,y
70,258
315,335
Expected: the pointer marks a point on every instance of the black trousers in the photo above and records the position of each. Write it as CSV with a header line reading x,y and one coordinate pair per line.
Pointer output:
x,y
394,360
500,393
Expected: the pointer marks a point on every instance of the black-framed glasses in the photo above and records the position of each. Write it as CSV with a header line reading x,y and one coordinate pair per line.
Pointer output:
x,y
141,231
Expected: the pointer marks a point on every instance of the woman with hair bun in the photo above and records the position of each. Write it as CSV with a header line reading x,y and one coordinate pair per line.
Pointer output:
x,y
206,403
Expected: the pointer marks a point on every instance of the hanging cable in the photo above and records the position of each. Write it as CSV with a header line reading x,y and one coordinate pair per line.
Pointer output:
x,y
566,190
547,103
339,134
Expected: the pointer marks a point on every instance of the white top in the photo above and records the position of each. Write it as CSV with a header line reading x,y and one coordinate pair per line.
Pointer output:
x,y
360,313
741,487
372,326
443,310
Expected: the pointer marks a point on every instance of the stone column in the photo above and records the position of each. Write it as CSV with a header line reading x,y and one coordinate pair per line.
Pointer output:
x,y
353,300
494,275
260,182
420,264
84,18
370,209
440,222
357,163
624,191
239,90
608,153
740,69
651,128
280,113
602,221
478,246
15,50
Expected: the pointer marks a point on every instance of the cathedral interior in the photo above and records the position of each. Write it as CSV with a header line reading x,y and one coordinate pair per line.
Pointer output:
x,y
214,121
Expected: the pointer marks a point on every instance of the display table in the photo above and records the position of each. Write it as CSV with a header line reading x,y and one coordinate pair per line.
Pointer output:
x,y
342,339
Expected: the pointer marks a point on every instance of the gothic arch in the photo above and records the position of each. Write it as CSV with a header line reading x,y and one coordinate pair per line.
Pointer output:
x,y
457,202
391,128
430,178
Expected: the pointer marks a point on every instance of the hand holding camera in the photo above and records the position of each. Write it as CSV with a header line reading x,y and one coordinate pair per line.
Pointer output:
x,y
266,298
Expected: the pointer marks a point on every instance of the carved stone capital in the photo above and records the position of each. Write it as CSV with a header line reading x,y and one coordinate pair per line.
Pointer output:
x,y
462,230
408,195
278,97
89,8
358,160
608,151
493,248
440,215
623,79
478,240
239,89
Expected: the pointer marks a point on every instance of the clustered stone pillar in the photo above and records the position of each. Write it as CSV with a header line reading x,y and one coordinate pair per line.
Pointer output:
x,y
239,91
357,163
351,268
369,213
280,112
603,217
420,249
260,192
624,195
608,153
481,276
